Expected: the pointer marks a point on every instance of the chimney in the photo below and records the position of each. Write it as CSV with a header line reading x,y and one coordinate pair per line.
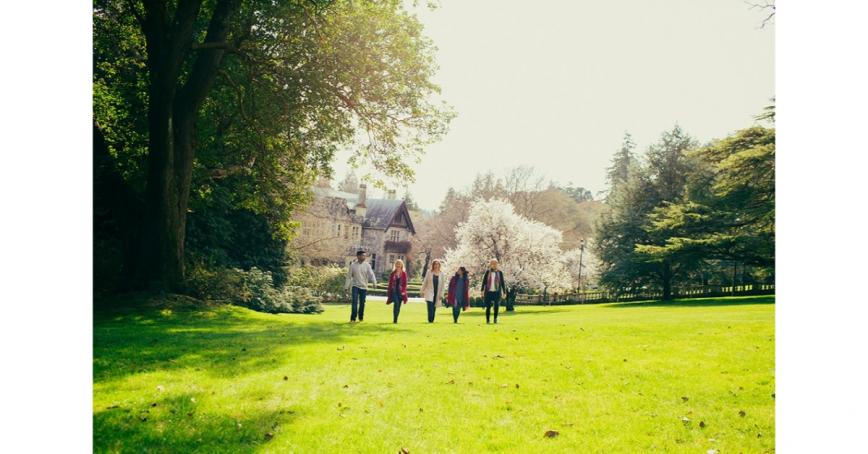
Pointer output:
x,y
391,194
361,209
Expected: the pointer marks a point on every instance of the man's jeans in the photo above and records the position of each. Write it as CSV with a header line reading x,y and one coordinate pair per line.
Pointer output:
x,y
358,305
492,297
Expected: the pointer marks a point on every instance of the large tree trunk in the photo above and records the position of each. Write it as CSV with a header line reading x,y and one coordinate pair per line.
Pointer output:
x,y
161,259
172,111
667,280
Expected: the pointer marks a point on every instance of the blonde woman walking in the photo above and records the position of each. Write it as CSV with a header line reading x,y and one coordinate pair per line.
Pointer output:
x,y
432,289
397,289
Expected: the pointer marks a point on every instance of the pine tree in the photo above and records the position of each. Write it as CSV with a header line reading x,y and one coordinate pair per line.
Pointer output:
x,y
622,162
350,183
628,229
668,164
410,201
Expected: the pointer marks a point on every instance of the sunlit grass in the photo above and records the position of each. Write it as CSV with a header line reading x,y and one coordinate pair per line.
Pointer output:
x,y
688,376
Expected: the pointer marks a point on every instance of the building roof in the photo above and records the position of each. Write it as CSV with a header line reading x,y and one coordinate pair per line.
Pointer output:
x,y
380,212
349,197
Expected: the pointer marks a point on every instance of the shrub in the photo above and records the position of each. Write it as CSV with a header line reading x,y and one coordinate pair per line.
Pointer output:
x,y
302,300
219,284
326,282
257,292
253,289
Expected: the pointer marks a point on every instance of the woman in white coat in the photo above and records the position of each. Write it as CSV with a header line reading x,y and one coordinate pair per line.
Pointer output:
x,y
432,288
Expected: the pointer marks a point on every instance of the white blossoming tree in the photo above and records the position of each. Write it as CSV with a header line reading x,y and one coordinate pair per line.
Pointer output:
x,y
571,259
528,251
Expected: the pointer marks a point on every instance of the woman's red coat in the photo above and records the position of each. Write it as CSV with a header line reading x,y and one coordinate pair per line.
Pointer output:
x,y
392,278
450,296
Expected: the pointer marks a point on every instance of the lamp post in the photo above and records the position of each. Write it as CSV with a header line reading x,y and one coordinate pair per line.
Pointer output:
x,y
581,256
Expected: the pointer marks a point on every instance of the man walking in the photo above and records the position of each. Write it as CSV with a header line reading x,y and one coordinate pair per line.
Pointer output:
x,y
358,276
493,285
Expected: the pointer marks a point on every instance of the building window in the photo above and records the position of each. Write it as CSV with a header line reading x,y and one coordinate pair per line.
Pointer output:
x,y
355,231
394,235
346,233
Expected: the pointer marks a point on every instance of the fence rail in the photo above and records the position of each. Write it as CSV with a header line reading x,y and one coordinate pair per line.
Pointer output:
x,y
596,297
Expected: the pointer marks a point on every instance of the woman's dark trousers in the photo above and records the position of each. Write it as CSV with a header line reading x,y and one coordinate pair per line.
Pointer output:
x,y
491,297
396,301
432,309
456,311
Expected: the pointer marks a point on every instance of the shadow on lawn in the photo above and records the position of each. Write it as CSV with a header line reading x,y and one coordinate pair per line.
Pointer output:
x,y
174,424
699,302
217,342
532,310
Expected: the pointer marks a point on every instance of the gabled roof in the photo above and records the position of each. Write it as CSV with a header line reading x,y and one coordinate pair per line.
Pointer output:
x,y
380,213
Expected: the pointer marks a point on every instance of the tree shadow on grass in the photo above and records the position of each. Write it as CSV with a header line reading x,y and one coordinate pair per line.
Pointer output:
x,y
175,424
220,341
538,310
699,302
217,341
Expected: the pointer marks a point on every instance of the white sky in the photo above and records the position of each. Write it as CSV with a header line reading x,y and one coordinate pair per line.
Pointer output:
x,y
554,84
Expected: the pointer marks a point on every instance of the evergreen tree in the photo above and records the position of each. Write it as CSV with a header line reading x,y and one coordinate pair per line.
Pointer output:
x,y
669,165
577,193
410,201
620,229
729,213
622,162
350,183
628,228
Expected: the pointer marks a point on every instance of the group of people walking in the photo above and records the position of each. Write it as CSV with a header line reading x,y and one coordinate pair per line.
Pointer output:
x,y
360,274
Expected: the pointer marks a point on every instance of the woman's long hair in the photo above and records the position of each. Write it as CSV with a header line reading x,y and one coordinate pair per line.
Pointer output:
x,y
395,265
437,262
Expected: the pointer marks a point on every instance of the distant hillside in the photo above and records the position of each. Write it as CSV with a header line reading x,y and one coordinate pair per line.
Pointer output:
x,y
556,208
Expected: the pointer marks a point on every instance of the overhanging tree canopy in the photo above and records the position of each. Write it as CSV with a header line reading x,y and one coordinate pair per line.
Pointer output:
x,y
256,91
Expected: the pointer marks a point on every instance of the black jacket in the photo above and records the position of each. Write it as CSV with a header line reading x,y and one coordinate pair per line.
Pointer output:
x,y
502,282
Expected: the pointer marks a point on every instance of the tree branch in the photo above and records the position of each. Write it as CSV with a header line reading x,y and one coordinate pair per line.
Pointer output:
x,y
205,66
761,6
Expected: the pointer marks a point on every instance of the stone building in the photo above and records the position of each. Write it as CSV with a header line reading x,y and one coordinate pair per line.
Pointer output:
x,y
338,223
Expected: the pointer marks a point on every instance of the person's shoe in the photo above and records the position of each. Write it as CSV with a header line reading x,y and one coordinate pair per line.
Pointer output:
x,y
495,321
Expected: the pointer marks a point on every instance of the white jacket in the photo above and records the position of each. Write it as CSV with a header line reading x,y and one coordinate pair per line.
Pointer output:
x,y
427,289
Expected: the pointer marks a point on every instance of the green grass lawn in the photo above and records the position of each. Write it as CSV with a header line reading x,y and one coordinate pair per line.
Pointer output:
x,y
688,376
